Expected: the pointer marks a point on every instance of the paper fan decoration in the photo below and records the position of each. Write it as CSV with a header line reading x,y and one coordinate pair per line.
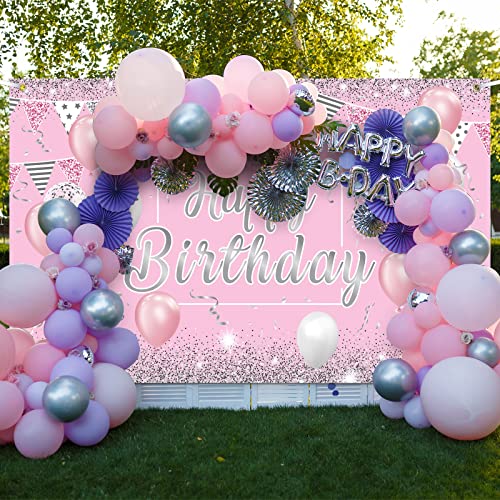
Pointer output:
x,y
116,226
398,238
384,212
396,168
116,193
366,223
385,122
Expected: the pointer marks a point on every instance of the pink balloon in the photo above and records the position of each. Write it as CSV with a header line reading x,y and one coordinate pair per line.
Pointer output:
x,y
37,435
312,89
468,297
7,435
27,295
83,141
225,159
23,342
445,139
442,342
110,264
35,235
254,134
238,74
403,332
286,75
12,406
461,398
202,149
446,104
442,239
268,92
155,130
89,236
412,207
427,315
393,278
90,342
40,359
205,93
218,81
419,237
7,353
157,316
52,263
426,264
105,102
497,369
114,128
168,149
496,335
320,113
308,122
415,359
115,390
114,161
221,127
231,103
441,177
278,143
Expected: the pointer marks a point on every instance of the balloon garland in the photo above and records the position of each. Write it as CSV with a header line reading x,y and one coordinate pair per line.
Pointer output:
x,y
409,195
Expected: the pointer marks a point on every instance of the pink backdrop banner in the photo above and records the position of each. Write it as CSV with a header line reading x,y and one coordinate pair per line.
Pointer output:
x,y
203,249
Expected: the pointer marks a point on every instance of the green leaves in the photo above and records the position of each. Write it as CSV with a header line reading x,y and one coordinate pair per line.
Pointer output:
x,y
222,186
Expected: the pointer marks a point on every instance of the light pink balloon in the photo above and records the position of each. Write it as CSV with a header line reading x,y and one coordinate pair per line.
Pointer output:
x,y
220,127
218,81
7,353
232,103
52,263
225,159
393,278
412,207
308,122
37,435
202,149
497,369
320,113
114,161
157,316
312,89
27,295
426,264
468,297
83,141
254,135
461,398
442,342
403,332
441,177
35,235
150,84
268,92
89,236
286,75
496,335
238,74
168,149
278,143
7,435
110,264
12,406
115,390
446,104
105,102
155,130
427,315
23,341
445,139
420,238
442,239
115,128
40,359
90,342
415,359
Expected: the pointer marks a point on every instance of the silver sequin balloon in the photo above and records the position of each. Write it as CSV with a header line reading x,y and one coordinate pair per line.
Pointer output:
x,y
417,297
469,247
84,352
395,380
58,213
421,126
66,398
304,101
102,309
484,350
189,125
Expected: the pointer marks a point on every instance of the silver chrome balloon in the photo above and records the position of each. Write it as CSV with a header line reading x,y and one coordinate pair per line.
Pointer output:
x,y
417,297
304,101
66,398
395,380
469,247
58,213
84,352
421,126
484,350
101,309
189,125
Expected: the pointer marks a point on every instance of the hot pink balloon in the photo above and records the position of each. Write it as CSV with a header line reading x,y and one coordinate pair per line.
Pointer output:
x,y
83,141
225,159
27,295
442,342
155,130
40,359
286,75
23,342
393,278
441,177
254,134
268,92
168,149
89,236
157,316
12,406
35,235
427,315
114,161
468,297
110,264
114,127
426,264
105,102
412,207
403,332
37,435
446,104
238,74
205,93
461,398
218,81
7,353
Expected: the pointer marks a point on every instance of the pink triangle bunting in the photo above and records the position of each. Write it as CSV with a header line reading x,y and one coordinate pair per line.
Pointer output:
x,y
358,115
14,169
483,131
36,111
72,169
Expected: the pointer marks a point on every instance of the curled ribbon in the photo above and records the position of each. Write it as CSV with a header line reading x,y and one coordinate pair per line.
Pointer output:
x,y
213,308
39,139
19,190
365,319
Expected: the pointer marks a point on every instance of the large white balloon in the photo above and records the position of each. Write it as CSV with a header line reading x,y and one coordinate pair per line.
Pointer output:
x,y
317,338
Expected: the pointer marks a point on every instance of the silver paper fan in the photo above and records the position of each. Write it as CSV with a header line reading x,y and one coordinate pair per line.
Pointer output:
x,y
366,223
172,176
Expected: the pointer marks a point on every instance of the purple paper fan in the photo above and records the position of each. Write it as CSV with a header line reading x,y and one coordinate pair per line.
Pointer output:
x,y
116,193
116,226
398,238
396,168
382,211
385,122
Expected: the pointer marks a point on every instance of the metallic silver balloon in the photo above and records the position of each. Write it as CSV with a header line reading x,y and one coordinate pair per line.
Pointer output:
x,y
189,125
395,380
66,398
469,247
417,297
421,126
101,309
84,352
484,350
58,213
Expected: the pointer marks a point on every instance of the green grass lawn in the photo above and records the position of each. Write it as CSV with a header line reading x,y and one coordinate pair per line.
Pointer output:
x,y
267,453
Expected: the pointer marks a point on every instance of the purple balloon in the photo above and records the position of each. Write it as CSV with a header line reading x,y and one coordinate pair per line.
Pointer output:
x,y
347,160
204,93
92,264
57,238
414,414
392,409
434,154
100,334
74,367
452,210
421,374
34,395
91,428
287,126
72,254
482,333
23,381
65,329
102,284
429,229
73,283
119,347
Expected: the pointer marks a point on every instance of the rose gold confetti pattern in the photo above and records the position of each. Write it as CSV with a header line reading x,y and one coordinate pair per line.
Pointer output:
x,y
36,111
14,169
72,169
483,130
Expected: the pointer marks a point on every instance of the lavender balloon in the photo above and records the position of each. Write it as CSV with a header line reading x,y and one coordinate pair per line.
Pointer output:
x,y
34,395
57,238
74,367
65,329
92,264
203,92
452,210
434,154
392,409
73,283
414,414
287,126
91,428
71,254
119,347
421,375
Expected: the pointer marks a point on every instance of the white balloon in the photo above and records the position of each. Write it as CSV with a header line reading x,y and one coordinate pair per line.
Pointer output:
x,y
136,211
317,338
